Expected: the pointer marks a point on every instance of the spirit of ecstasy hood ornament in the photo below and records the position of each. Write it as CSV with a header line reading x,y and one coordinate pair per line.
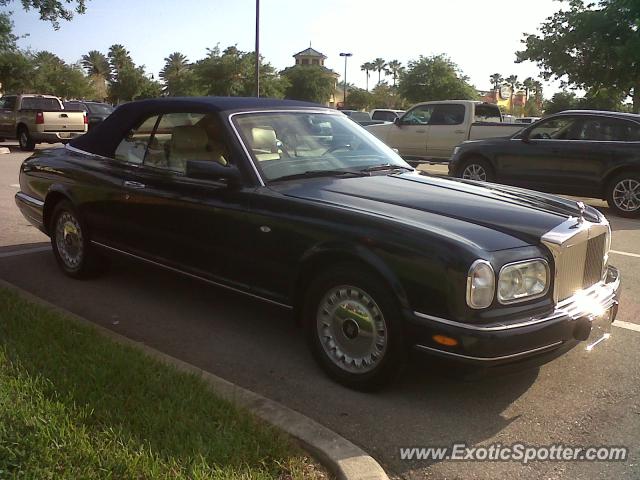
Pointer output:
x,y
583,208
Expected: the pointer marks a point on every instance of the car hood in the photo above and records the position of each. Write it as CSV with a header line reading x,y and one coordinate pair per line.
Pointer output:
x,y
492,216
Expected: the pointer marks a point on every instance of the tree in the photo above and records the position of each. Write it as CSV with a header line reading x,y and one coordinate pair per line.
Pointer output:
x,y
16,71
7,37
560,102
435,78
384,96
177,76
231,73
53,76
590,45
51,10
359,99
529,85
496,80
309,82
97,67
379,65
394,68
367,67
602,99
119,59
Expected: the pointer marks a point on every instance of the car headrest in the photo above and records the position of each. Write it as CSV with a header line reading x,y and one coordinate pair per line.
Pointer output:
x,y
189,138
264,138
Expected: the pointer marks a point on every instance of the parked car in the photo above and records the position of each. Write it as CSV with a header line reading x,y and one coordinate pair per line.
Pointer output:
x,y
430,131
96,111
527,120
33,119
361,118
386,115
584,153
374,259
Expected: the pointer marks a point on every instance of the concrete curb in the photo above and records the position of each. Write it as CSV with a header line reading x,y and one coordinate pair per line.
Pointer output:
x,y
341,457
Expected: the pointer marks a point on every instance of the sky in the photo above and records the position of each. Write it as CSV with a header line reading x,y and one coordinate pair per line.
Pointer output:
x,y
481,36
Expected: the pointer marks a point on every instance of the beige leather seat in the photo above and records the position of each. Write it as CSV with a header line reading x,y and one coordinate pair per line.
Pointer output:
x,y
191,143
264,143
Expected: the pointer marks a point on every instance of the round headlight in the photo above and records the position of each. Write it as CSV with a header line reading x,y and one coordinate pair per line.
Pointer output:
x,y
523,281
481,284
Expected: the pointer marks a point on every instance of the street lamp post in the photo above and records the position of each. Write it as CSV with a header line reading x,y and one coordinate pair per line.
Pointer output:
x,y
257,74
344,80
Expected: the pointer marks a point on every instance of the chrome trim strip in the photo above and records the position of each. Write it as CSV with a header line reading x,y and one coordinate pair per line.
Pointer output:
x,y
167,267
490,359
244,147
82,152
30,200
603,294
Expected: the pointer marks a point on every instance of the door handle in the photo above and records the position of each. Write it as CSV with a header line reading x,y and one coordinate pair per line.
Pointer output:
x,y
459,131
131,184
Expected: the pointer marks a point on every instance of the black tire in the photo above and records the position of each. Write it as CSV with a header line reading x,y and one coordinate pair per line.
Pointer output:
x,y
385,362
24,139
629,206
478,165
65,220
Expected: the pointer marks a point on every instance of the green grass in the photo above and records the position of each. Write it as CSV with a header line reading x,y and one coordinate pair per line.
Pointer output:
x,y
75,405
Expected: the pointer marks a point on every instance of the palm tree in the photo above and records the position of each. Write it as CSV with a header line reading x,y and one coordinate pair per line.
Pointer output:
x,y
367,67
496,80
119,58
529,85
394,68
96,65
513,81
379,65
175,69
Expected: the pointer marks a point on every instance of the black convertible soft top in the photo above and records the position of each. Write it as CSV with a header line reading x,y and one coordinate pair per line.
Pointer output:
x,y
105,137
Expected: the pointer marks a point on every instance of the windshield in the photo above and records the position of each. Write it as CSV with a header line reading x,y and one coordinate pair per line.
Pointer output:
x,y
285,144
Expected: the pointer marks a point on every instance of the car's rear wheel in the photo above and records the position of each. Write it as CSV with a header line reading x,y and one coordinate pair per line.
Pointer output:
x,y
24,139
70,242
623,194
354,327
478,169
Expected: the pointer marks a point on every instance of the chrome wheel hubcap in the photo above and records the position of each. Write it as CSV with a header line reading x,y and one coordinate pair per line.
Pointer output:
x,y
69,240
626,195
351,329
474,172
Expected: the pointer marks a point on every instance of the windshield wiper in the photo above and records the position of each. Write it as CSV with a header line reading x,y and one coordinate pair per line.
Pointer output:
x,y
385,166
321,173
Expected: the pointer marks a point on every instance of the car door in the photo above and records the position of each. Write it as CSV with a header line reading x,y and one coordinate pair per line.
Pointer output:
x,y
446,130
545,157
409,134
187,223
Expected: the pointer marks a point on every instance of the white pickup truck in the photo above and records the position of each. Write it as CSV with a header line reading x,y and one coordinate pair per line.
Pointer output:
x,y
430,131
35,119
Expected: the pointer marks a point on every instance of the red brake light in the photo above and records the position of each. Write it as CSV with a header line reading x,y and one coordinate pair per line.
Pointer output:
x,y
86,119
39,118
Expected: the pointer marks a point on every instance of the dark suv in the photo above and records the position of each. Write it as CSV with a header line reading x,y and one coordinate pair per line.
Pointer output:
x,y
585,153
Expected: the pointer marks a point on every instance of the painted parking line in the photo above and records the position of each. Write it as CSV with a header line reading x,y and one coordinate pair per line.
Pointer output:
x,y
627,254
25,251
629,326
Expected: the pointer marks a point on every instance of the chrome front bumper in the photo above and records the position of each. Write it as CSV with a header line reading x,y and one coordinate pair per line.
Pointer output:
x,y
508,342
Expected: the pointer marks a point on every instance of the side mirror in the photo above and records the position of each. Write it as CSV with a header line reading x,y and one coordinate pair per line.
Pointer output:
x,y
396,121
524,136
210,170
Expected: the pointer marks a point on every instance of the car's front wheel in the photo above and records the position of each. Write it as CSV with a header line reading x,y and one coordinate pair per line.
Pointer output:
x,y
354,327
476,168
70,243
623,194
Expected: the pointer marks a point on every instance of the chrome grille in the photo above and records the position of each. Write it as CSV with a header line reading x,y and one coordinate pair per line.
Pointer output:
x,y
594,261
579,250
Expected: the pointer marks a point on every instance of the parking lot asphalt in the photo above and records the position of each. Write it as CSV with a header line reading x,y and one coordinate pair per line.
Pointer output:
x,y
580,399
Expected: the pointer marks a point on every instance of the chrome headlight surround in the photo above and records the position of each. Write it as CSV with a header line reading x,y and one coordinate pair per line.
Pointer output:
x,y
481,285
523,295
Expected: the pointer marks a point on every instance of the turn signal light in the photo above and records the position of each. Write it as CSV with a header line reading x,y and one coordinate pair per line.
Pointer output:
x,y
444,340
86,119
